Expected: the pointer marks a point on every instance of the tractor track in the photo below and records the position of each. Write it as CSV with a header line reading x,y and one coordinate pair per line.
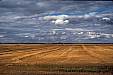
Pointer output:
x,y
58,54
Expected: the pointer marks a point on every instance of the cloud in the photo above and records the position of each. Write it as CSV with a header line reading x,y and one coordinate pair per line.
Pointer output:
x,y
60,22
65,19
57,19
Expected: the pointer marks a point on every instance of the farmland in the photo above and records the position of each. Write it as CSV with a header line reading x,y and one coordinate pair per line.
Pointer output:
x,y
49,59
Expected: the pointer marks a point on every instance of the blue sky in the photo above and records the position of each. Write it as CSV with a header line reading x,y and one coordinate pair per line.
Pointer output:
x,y
21,21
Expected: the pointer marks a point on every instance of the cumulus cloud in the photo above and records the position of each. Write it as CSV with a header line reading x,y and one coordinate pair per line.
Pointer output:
x,y
57,19
106,19
42,4
60,21
62,16
64,19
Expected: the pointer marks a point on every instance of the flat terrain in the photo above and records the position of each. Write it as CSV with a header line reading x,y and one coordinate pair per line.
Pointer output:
x,y
36,59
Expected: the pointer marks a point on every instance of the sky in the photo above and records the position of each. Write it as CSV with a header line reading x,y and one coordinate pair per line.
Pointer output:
x,y
22,21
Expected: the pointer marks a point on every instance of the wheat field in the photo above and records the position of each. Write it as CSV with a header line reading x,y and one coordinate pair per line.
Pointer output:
x,y
56,59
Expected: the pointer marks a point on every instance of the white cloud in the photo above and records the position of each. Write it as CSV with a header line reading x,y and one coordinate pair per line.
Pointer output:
x,y
106,18
43,4
64,19
58,21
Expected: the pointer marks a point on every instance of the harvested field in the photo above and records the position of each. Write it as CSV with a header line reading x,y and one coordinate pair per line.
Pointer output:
x,y
57,59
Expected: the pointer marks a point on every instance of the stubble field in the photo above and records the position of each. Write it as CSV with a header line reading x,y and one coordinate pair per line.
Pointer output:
x,y
57,59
